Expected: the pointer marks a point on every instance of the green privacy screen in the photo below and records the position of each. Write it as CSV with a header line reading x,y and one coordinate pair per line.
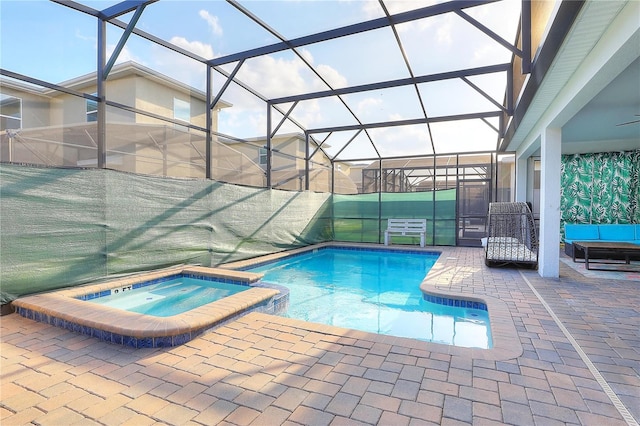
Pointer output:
x,y
600,188
64,227
363,217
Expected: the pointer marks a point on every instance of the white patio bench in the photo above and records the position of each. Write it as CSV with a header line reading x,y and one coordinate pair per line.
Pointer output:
x,y
406,227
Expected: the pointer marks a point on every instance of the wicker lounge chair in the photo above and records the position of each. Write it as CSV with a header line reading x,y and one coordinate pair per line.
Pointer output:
x,y
511,237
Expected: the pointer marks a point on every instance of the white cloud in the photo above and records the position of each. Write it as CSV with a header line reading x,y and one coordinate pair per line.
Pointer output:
x,y
398,6
371,9
257,121
332,76
368,104
463,136
306,55
197,47
443,34
124,56
490,53
501,17
177,66
402,140
212,21
276,76
422,25
273,77
308,114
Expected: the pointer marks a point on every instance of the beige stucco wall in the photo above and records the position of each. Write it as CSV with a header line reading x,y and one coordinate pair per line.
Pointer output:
x,y
35,107
288,165
319,181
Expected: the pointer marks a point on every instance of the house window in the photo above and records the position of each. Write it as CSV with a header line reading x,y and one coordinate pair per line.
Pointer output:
x,y
92,110
10,112
262,156
181,110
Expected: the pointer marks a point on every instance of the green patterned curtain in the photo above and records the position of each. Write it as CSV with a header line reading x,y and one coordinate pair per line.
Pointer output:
x,y
601,188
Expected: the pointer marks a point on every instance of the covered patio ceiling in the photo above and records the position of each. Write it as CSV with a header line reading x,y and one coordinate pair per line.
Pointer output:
x,y
366,80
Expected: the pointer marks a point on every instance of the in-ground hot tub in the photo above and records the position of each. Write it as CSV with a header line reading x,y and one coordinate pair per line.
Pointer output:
x,y
72,309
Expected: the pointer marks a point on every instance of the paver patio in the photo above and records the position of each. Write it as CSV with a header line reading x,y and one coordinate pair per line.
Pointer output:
x,y
579,363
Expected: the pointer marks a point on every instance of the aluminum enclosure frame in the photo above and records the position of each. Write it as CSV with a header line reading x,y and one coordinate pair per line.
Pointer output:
x,y
111,14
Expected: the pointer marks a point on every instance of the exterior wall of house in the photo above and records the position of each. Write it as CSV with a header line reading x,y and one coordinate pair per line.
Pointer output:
x,y
288,152
67,110
288,165
34,108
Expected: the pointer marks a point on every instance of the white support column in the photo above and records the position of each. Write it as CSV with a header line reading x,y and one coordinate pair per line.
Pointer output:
x,y
549,254
512,182
522,183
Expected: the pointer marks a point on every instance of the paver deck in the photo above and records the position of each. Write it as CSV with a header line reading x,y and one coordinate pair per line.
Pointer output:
x,y
579,364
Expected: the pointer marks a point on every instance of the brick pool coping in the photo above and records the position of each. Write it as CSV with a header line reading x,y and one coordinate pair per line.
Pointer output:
x,y
506,344
63,308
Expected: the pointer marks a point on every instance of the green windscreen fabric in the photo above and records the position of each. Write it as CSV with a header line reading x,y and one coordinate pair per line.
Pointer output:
x,y
363,217
356,218
65,227
53,229
445,218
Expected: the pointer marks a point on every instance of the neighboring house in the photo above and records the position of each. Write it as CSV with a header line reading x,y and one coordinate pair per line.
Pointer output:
x,y
288,164
49,127
58,129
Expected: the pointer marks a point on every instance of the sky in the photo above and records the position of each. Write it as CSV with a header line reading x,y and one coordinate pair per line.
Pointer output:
x,y
54,43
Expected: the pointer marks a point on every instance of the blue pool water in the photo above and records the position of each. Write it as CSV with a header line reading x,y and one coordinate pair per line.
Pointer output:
x,y
170,297
375,291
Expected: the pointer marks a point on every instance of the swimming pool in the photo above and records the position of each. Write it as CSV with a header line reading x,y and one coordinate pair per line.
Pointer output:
x,y
376,290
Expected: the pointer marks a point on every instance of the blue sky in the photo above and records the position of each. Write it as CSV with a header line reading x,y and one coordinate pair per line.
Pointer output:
x,y
51,42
